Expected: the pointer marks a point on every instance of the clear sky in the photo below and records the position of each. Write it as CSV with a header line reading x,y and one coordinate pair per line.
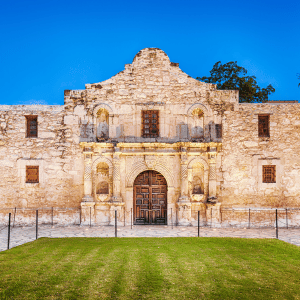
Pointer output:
x,y
49,46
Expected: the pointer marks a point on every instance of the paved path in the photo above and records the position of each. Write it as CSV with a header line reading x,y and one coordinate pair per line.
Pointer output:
x,y
21,235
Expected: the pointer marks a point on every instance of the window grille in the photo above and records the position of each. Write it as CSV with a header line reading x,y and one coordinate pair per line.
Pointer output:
x,y
263,125
269,174
32,126
32,174
218,131
150,123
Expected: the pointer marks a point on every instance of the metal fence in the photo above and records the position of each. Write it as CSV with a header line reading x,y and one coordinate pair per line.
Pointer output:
x,y
121,220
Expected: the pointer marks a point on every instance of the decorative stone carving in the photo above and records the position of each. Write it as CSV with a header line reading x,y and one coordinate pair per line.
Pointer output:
x,y
150,161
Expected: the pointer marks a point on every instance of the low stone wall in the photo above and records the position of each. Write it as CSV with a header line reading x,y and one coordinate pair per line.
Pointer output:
x,y
49,216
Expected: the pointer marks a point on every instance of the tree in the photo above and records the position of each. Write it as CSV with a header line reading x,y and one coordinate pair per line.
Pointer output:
x,y
230,76
299,79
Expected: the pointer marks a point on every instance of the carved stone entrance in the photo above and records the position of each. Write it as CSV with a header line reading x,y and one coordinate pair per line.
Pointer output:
x,y
150,199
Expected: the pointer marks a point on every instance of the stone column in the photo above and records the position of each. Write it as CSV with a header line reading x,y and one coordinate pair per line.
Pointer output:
x,y
110,126
116,177
87,177
183,177
184,204
212,172
87,204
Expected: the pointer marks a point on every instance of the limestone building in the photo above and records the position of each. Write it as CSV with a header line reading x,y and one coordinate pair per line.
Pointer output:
x,y
153,140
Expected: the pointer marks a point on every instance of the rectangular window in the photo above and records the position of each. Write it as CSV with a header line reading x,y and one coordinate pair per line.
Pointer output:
x,y
218,131
32,174
32,130
150,123
269,174
264,125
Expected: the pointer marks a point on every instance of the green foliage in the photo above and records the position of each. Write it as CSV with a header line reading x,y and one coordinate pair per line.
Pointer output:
x,y
298,75
230,76
151,268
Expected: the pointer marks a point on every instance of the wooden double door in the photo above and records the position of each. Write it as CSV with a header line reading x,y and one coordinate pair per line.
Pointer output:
x,y
150,199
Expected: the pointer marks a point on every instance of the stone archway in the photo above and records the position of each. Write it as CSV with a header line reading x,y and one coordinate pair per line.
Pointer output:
x,y
150,199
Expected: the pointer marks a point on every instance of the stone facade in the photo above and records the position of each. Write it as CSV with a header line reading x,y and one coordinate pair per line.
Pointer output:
x,y
91,149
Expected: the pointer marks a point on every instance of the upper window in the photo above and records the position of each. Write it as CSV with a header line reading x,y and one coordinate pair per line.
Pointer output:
x,y
32,174
150,123
269,174
264,125
218,131
32,130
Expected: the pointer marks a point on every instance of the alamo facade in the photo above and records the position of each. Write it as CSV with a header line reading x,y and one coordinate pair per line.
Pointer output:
x,y
151,140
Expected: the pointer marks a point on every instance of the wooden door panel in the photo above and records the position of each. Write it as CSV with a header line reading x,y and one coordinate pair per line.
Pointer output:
x,y
150,198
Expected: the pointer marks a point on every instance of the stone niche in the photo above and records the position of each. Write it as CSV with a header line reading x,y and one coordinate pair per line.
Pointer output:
x,y
102,125
197,186
102,183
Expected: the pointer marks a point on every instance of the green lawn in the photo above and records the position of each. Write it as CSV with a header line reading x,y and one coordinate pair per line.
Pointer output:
x,y
151,268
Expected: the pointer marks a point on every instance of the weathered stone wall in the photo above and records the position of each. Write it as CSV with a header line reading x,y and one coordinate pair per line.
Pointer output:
x,y
244,153
54,151
150,82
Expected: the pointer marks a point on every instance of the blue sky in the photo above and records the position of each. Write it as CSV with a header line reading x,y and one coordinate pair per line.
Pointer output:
x,y
49,46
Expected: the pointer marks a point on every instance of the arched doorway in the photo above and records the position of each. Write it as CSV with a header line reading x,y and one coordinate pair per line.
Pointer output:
x,y
150,199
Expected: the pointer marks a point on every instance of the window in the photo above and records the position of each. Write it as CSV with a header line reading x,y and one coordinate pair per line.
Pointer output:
x,y
32,174
269,174
264,125
32,129
218,131
150,123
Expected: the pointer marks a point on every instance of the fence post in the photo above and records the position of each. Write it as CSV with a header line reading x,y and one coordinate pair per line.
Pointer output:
x,y
14,216
90,217
36,225
286,218
171,217
116,223
276,225
249,219
52,216
8,236
198,223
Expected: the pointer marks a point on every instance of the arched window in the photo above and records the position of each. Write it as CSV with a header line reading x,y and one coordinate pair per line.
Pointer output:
x,y
102,133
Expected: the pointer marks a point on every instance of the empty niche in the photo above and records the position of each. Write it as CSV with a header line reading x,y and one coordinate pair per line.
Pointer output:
x,y
102,185
102,188
198,176
197,124
102,125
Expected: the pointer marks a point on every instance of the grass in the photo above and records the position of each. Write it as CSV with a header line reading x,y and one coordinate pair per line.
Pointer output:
x,y
151,268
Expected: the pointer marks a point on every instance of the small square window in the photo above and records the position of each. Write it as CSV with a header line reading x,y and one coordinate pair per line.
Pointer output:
x,y
32,174
264,125
32,126
269,174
